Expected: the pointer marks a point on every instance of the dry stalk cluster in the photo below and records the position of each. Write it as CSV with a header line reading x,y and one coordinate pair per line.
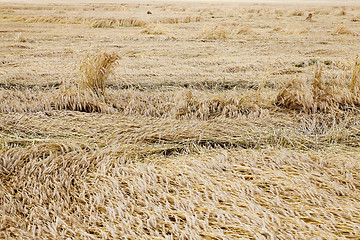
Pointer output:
x,y
102,22
185,104
343,30
154,29
224,31
93,22
89,93
181,104
319,95
193,104
95,68
46,19
109,23
80,100
175,20
23,101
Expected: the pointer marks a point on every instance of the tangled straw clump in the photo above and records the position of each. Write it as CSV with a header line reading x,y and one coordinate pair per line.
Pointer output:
x,y
193,104
95,69
89,93
23,101
82,101
225,31
317,95
110,23
93,22
355,77
102,22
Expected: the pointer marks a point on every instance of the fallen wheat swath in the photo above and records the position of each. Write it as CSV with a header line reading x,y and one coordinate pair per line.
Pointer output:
x,y
64,190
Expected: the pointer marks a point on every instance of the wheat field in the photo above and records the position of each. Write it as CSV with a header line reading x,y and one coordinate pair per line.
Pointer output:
x,y
179,120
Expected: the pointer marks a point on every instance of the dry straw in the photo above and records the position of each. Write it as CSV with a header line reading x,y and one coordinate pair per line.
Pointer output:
x,y
225,31
88,95
343,30
65,190
176,20
319,95
355,77
93,22
113,22
95,69
170,162
154,29
79,100
194,104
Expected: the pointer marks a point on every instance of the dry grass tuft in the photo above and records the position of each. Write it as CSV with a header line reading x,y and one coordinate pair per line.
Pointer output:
x,y
88,95
23,101
318,95
154,29
225,31
109,23
95,69
296,13
194,104
48,19
355,77
176,20
102,23
79,100
214,32
185,104
93,22
343,30
298,31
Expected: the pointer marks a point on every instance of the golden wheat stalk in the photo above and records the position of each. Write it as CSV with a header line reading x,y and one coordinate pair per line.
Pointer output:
x,y
95,69
355,78
319,95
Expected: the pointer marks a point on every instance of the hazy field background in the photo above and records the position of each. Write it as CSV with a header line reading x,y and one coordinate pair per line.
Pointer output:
x,y
178,120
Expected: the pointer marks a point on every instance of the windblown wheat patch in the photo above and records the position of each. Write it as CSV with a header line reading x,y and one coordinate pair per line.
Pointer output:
x,y
56,190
